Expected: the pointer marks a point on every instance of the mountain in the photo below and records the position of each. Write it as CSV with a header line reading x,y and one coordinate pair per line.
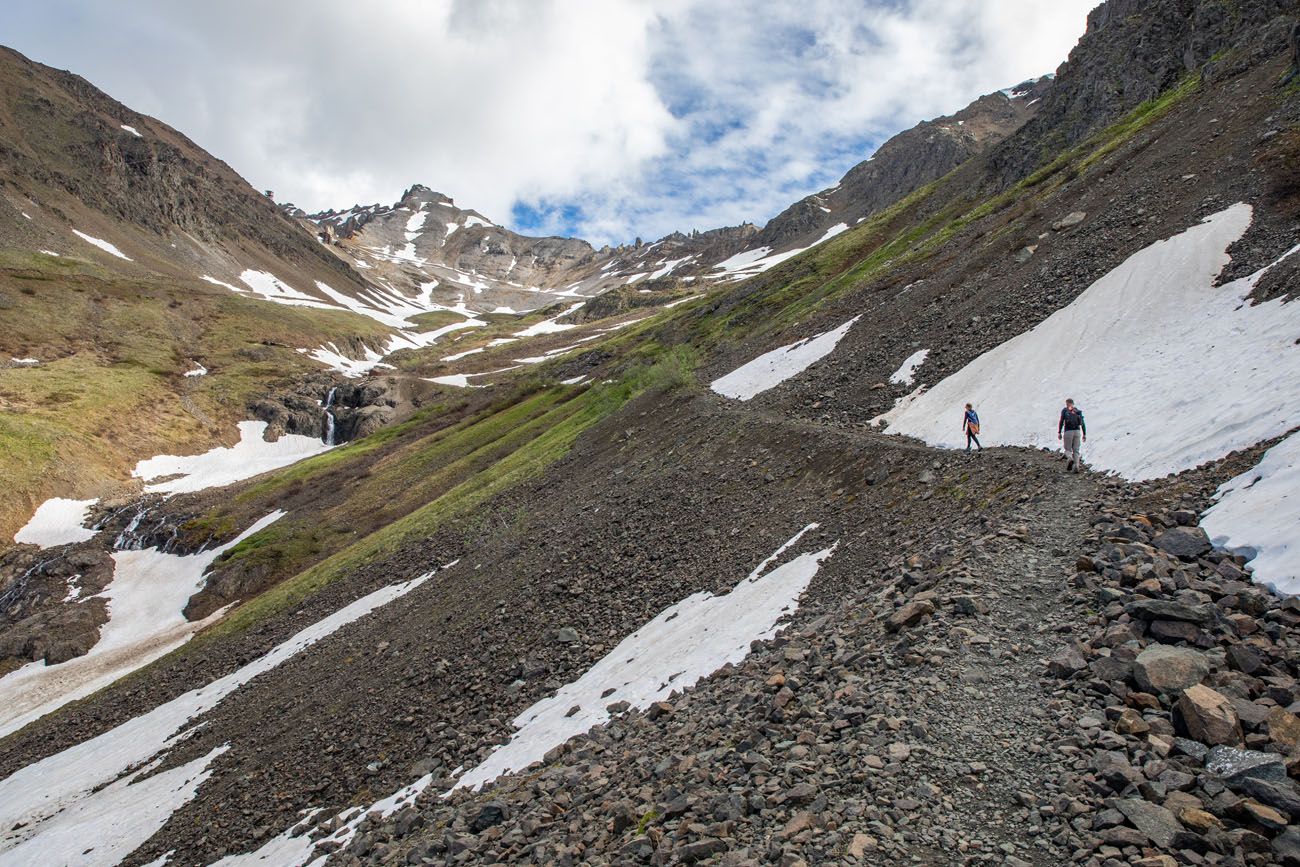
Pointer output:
x,y
717,582
424,243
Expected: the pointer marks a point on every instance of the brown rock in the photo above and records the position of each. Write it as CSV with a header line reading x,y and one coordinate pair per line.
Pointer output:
x,y
1254,811
1283,729
860,845
799,822
1199,821
1209,717
909,615
1130,722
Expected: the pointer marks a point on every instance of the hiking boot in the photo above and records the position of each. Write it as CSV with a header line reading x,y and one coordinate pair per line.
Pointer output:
x,y
1069,466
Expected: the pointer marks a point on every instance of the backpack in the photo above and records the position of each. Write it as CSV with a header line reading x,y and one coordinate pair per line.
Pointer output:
x,y
1073,418
973,423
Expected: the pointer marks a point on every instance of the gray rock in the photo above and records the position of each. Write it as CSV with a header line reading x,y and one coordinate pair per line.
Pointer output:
x,y
1074,218
1186,543
1164,669
1161,826
1286,846
1067,661
1232,764
491,813
1111,668
1164,609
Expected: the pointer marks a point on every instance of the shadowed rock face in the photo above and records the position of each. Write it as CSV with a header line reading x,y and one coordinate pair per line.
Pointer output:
x,y
1134,50
64,145
907,162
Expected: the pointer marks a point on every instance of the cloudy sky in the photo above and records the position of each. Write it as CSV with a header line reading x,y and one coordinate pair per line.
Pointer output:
x,y
606,119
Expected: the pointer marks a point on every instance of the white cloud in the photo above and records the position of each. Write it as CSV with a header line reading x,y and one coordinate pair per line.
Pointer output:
x,y
648,115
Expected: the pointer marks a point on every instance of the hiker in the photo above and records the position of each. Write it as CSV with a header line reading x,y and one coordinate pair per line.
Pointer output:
x,y
1072,433
970,423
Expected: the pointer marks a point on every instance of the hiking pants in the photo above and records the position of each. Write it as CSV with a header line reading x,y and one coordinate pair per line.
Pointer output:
x,y
971,438
1073,441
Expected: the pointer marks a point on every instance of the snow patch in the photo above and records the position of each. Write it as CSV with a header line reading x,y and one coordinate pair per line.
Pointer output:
x,y
223,465
102,244
1170,370
552,325
272,288
57,522
215,282
1258,513
94,788
132,130
773,368
687,642
906,372
26,362
832,232
199,370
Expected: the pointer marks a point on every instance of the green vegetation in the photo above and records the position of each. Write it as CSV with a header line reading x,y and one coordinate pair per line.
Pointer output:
x,y
110,388
650,816
438,478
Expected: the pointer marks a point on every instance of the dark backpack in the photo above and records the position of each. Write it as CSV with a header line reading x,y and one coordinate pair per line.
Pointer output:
x,y
1073,418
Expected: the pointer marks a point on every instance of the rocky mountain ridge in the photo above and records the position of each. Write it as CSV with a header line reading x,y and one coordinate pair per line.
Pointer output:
x,y
424,237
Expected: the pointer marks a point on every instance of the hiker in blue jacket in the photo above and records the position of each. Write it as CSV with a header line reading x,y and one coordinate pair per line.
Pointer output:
x,y
970,423
1072,432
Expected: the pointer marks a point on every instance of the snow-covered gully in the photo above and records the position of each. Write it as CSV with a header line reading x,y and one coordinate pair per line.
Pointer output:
x,y
95,803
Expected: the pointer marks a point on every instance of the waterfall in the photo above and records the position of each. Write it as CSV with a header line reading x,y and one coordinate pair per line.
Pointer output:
x,y
329,417
127,540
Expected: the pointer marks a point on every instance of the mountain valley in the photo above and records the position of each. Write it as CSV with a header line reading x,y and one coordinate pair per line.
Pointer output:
x,y
392,536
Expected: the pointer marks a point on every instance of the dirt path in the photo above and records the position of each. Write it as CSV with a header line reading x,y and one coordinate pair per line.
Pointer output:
x,y
986,711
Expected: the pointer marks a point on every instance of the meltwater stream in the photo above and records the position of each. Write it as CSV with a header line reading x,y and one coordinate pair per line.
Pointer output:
x,y
329,417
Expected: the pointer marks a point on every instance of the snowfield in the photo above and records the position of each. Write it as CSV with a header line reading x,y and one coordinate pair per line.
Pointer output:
x,y
94,803
57,522
148,592
223,465
1170,370
773,368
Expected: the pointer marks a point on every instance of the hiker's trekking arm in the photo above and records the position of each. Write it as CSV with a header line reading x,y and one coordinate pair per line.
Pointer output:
x,y
1060,424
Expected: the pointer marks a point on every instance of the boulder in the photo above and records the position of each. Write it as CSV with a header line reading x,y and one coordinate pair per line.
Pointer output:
x,y
1067,661
909,615
1161,668
1159,825
1186,543
1165,609
1233,765
1071,219
491,813
1208,716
